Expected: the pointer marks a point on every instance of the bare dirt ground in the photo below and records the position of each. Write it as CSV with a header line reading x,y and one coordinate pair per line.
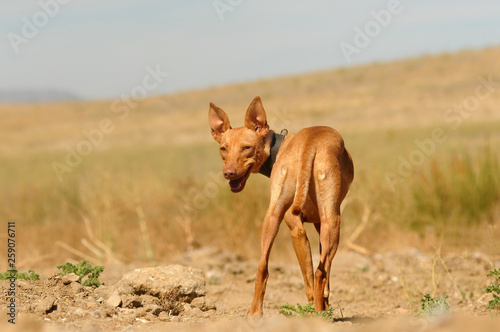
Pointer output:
x,y
379,292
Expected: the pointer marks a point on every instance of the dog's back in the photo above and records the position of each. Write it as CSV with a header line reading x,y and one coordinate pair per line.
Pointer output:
x,y
319,150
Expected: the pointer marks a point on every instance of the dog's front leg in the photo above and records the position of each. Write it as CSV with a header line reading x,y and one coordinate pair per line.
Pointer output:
x,y
270,228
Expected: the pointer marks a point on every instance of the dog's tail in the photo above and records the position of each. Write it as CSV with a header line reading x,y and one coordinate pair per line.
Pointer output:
x,y
303,180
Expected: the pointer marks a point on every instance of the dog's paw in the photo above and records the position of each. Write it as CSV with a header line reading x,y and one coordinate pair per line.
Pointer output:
x,y
254,313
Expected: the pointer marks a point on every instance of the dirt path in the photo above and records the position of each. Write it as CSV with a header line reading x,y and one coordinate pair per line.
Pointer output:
x,y
383,290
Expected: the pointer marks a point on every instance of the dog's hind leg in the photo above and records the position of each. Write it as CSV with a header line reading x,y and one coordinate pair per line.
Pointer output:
x,y
328,193
317,226
302,250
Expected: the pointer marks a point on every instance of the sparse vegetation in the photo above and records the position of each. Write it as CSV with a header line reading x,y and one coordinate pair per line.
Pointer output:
x,y
162,157
30,275
430,306
305,310
85,270
463,189
494,290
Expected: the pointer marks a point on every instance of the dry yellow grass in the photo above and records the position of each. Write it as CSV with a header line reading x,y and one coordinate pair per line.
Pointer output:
x,y
151,187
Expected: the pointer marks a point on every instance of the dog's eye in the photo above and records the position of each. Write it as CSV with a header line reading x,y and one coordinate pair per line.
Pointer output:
x,y
223,149
247,148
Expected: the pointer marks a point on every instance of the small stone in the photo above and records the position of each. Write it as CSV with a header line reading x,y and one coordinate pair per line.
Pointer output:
x,y
76,288
156,310
195,312
133,302
109,310
114,300
53,280
164,316
46,305
69,278
203,304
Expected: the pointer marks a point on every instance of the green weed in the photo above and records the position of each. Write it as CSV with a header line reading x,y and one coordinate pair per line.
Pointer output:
x,y
494,290
433,306
306,310
83,269
30,275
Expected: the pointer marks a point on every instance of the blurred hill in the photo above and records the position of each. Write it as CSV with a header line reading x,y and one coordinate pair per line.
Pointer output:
x,y
414,92
35,96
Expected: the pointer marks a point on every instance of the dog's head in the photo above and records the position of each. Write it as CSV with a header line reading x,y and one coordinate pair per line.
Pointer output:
x,y
241,149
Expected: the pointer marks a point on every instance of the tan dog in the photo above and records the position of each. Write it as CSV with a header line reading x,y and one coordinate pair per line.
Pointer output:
x,y
310,175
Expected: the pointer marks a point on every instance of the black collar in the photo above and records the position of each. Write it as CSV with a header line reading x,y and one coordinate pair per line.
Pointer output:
x,y
267,166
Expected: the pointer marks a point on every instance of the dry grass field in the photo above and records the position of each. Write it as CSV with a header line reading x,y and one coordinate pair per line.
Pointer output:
x,y
139,182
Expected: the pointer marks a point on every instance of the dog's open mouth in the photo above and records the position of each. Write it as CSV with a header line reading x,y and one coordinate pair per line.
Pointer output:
x,y
237,185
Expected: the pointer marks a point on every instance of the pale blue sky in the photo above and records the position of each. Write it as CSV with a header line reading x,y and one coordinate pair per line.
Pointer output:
x,y
100,49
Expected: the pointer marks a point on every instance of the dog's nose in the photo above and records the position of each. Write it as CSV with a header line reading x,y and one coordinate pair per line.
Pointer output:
x,y
229,173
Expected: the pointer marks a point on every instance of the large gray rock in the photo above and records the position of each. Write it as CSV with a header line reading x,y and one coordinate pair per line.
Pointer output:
x,y
177,282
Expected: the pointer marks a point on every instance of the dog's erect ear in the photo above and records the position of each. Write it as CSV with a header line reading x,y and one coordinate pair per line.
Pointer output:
x,y
219,122
255,118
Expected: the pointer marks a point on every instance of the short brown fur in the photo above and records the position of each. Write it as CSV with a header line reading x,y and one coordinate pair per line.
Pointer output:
x,y
309,180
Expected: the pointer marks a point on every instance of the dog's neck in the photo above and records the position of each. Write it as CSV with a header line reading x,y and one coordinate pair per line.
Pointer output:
x,y
267,166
